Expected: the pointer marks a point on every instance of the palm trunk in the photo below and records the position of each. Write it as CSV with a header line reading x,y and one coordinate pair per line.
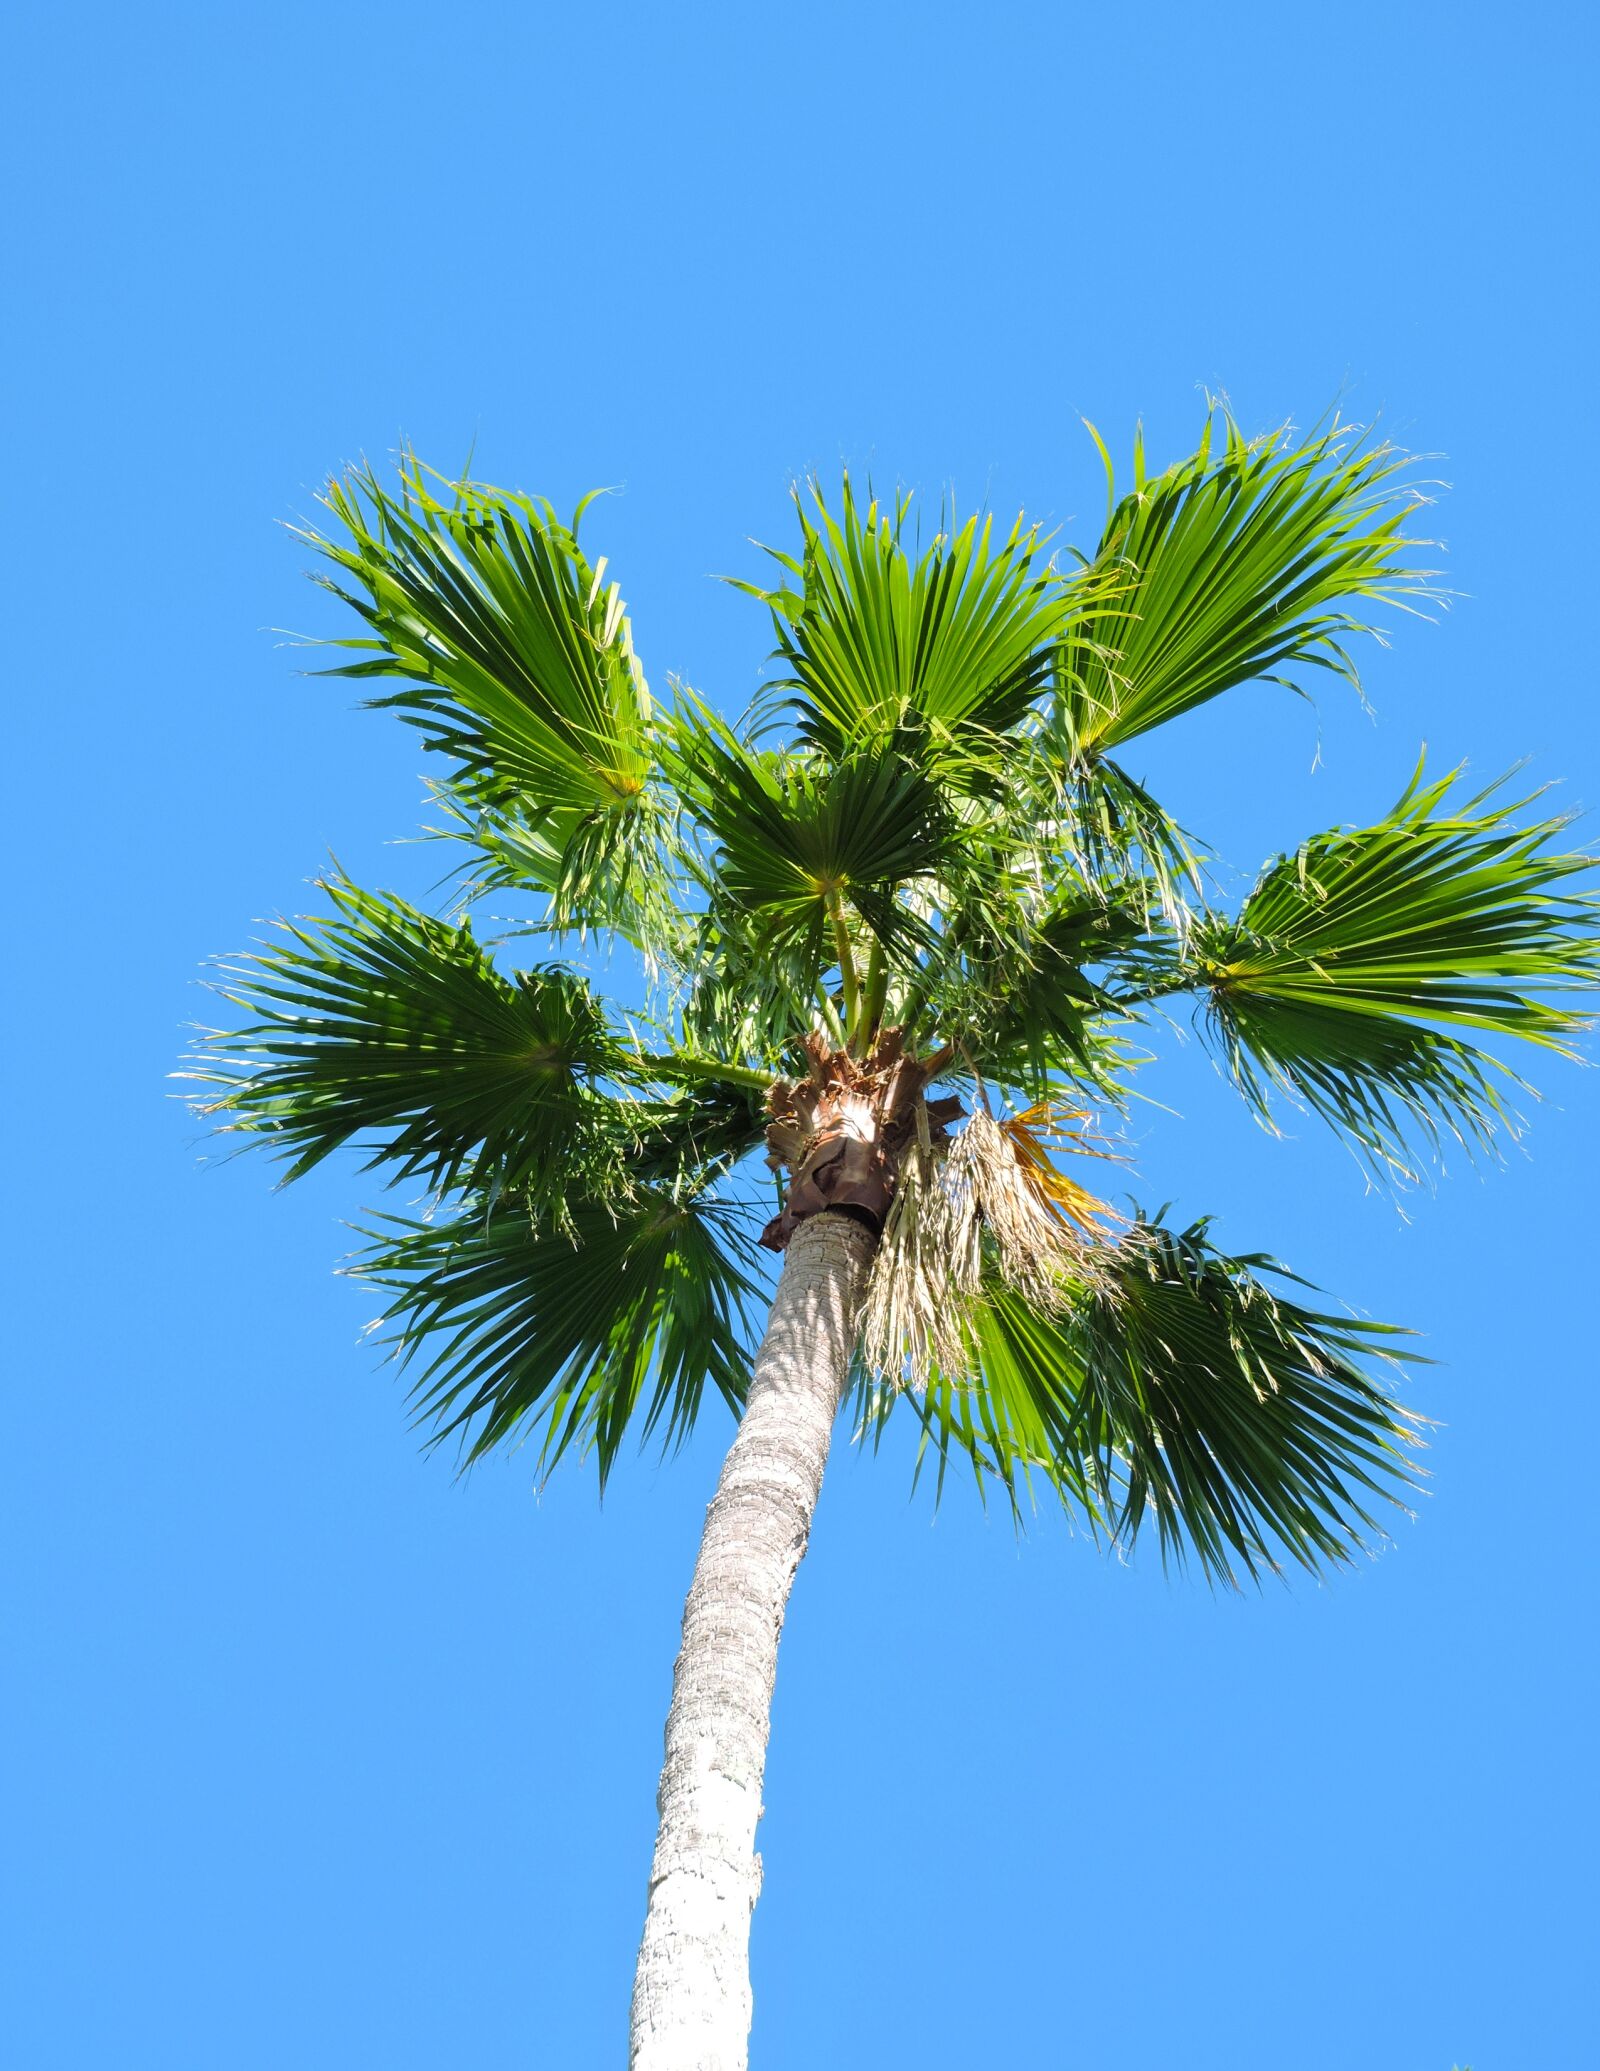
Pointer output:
x,y
691,1994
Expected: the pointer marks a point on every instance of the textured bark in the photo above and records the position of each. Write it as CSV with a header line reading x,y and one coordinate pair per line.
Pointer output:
x,y
839,1131
691,1995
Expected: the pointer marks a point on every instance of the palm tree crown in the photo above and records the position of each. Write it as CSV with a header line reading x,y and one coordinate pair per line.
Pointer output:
x,y
919,865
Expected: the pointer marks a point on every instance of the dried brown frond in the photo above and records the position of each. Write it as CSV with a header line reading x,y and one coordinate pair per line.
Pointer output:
x,y
1049,1236
1045,1229
1038,1136
916,1314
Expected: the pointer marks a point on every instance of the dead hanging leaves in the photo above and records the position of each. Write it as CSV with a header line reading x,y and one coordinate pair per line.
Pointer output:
x,y
915,1313
995,1202
858,1135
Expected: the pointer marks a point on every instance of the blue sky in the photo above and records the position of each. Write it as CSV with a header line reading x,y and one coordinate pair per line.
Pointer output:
x,y
319,1758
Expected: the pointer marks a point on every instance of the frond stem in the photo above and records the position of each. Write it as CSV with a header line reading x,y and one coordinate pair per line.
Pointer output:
x,y
935,1066
847,964
830,1016
874,991
706,1070
1187,981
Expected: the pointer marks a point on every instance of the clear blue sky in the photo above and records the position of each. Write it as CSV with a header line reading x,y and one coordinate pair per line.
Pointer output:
x,y
319,1759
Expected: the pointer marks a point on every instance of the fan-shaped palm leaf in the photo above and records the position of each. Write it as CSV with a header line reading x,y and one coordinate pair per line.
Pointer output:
x,y
798,835
1230,568
1354,958
518,655
382,1024
519,1333
958,638
1186,1390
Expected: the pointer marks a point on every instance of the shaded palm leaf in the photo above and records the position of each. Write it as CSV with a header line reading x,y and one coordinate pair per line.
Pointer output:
x,y
1025,998
797,835
519,1334
1354,958
1057,893
696,1135
1186,1390
1229,568
382,1024
749,997
1117,834
614,871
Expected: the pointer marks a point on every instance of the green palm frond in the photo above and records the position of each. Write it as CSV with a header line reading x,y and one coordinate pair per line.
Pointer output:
x,y
796,835
622,873
696,1134
1354,960
518,1333
1186,1390
1115,833
380,1024
959,638
748,997
1230,568
518,656
1018,986
1049,891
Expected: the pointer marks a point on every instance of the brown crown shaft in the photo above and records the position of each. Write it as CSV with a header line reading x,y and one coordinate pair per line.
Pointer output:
x,y
840,1131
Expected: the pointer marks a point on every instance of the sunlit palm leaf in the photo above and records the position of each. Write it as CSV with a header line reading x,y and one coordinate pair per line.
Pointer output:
x,y
872,635
518,1334
1248,1426
381,1025
1228,568
518,655
1356,961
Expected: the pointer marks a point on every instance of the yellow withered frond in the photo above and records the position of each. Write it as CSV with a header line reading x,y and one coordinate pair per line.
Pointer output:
x,y
1038,1136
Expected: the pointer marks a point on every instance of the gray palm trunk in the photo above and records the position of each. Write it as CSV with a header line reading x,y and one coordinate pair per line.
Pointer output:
x,y
691,1995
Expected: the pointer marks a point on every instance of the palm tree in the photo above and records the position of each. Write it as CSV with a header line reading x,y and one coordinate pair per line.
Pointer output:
x,y
893,937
